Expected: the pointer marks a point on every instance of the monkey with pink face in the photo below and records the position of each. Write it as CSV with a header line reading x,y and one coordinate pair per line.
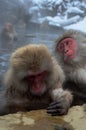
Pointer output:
x,y
70,49
34,81
8,33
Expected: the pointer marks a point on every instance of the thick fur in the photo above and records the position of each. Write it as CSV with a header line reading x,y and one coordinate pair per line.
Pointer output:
x,y
75,70
8,33
22,62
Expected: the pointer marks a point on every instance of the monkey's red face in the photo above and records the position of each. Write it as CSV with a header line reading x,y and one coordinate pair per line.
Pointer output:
x,y
7,27
67,47
37,83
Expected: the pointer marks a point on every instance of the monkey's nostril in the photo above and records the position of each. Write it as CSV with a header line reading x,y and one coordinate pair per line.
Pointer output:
x,y
65,51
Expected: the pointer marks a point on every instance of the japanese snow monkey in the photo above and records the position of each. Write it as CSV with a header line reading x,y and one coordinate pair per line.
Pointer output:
x,y
34,81
70,49
8,33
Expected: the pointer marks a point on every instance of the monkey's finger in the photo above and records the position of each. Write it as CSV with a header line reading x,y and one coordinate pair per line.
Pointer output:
x,y
55,105
55,112
52,111
59,112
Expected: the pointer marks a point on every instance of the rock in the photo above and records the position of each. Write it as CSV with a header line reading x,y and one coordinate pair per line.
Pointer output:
x,y
77,117
40,120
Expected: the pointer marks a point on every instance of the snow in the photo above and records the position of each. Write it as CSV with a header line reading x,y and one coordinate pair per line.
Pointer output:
x,y
63,22
33,9
58,2
78,26
49,3
75,10
57,21
22,1
52,1
36,1
69,14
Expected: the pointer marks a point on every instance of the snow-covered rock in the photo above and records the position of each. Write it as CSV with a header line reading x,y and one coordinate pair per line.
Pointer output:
x,y
58,13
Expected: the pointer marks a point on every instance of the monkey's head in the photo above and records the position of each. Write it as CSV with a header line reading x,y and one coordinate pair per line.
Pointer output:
x,y
8,27
69,45
32,64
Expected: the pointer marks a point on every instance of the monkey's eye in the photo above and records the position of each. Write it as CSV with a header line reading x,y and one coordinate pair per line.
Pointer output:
x,y
68,42
60,47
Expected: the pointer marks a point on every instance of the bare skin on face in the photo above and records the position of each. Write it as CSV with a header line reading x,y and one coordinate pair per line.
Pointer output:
x,y
70,49
34,81
8,33
67,47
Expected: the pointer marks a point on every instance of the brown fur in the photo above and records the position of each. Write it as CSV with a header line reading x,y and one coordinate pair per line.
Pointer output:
x,y
8,33
75,69
34,58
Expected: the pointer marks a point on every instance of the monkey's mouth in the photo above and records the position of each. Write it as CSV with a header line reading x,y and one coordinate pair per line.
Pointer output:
x,y
69,57
37,88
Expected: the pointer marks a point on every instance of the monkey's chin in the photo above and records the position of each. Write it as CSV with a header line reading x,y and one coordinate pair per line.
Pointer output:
x,y
39,91
69,58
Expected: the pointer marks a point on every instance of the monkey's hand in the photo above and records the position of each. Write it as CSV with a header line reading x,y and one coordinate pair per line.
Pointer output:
x,y
59,107
61,103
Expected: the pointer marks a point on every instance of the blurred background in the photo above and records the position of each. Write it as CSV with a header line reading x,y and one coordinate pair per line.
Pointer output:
x,y
38,21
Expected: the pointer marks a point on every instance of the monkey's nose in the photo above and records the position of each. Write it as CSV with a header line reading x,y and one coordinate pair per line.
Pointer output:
x,y
65,51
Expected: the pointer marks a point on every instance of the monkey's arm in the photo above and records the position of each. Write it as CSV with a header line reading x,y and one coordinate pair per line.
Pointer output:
x,y
81,75
62,100
3,101
78,75
78,91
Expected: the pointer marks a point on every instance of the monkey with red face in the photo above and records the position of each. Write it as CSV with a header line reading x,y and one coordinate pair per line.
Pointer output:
x,y
67,47
70,49
34,81
8,34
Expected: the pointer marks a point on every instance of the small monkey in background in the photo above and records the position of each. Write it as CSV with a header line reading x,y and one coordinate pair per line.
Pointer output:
x,y
34,81
70,49
8,33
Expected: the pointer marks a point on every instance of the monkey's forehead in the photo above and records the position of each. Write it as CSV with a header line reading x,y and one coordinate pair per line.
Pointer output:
x,y
70,33
32,56
32,50
8,25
